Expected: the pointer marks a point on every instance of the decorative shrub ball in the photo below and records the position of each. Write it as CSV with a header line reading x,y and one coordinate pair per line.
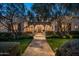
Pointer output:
x,y
70,48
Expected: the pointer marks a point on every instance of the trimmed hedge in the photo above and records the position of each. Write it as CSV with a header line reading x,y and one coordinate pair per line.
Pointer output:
x,y
8,37
71,34
74,34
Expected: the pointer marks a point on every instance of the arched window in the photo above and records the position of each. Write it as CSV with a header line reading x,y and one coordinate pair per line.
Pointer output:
x,y
48,28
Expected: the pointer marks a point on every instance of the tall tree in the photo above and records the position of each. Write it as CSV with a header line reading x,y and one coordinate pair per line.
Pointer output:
x,y
30,14
73,8
42,10
14,13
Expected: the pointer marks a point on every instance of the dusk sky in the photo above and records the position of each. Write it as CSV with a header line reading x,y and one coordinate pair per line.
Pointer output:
x,y
28,5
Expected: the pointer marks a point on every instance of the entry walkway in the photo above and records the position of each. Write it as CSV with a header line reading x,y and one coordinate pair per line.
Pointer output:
x,y
38,47
39,36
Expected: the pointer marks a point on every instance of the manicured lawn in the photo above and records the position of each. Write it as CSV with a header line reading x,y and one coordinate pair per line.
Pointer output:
x,y
56,43
23,44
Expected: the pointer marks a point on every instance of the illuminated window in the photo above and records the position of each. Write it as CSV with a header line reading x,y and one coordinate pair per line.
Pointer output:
x,y
63,25
76,26
15,27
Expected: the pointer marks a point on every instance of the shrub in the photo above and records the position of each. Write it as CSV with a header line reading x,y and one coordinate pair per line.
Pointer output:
x,y
70,48
64,37
8,37
70,35
74,32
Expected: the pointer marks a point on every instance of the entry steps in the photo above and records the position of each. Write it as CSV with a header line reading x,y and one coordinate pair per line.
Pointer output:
x,y
39,36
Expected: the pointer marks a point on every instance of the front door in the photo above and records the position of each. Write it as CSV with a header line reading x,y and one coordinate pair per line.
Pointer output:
x,y
39,33
39,28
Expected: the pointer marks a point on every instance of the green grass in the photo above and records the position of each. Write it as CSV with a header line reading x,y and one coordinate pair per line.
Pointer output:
x,y
56,43
24,42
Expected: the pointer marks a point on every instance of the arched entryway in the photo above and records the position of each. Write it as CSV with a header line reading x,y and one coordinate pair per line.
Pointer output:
x,y
39,32
39,28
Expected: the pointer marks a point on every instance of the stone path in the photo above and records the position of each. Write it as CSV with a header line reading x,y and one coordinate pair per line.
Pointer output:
x,y
38,47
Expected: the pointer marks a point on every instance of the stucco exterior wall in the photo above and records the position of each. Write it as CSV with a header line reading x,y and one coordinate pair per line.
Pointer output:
x,y
52,26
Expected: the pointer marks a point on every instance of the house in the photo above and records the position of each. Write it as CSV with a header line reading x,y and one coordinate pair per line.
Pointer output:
x,y
66,23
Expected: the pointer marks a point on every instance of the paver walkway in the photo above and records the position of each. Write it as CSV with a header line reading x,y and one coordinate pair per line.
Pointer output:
x,y
38,47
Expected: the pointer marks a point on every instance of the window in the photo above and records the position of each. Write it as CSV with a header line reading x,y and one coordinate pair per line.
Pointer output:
x,y
76,26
